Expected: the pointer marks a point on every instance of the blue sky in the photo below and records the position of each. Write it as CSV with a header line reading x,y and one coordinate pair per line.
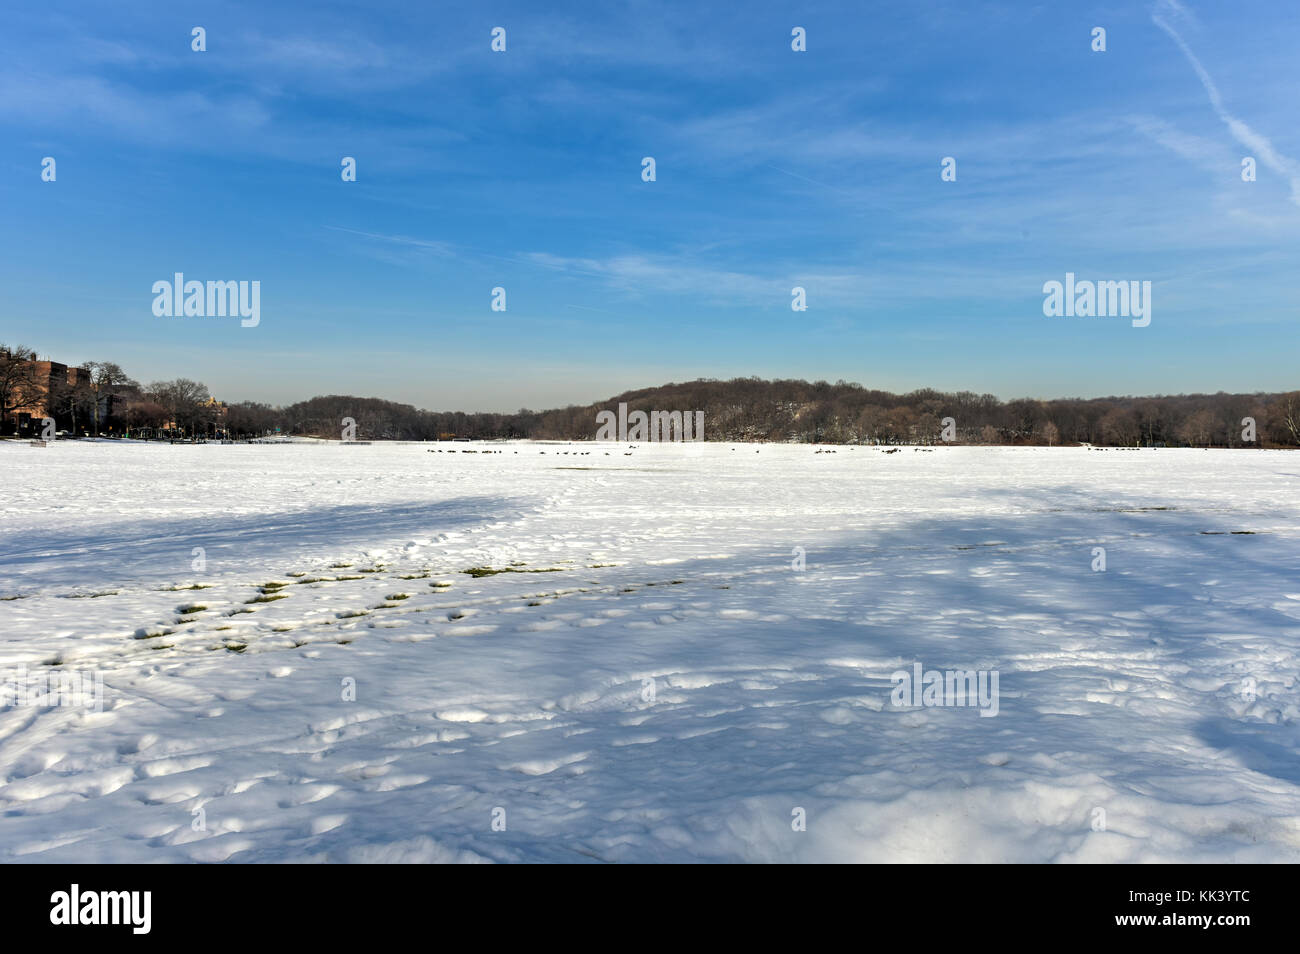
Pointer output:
x,y
522,169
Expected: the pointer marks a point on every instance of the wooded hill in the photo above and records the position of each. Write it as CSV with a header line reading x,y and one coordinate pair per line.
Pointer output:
x,y
750,409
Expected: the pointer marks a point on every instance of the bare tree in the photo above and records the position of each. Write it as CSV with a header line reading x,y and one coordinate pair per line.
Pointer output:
x,y
1284,414
146,415
106,380
1119,427
184,400
1198,428
68,398
19,384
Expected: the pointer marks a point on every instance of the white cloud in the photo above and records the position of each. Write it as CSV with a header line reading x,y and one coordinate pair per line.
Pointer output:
x,y
1258,144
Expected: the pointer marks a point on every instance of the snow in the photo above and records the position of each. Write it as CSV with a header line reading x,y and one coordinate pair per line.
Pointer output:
x,y
650,679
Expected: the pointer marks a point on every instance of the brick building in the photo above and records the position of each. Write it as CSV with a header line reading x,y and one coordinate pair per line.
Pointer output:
x,y
48,379
57,391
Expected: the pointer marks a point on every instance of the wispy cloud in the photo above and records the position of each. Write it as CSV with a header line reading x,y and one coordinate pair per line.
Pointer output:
x,y
1257,143
1209,154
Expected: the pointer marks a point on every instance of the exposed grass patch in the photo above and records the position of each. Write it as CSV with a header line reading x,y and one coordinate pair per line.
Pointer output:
x,y
398,596
481,571
1128,509
6,599
192,586
415,576
273,586
349,578
236,647
315,579
297,574
341,566
91,596
350,614
268,598
190,609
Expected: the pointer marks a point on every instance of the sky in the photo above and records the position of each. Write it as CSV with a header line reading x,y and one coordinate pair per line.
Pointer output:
x,y
774,168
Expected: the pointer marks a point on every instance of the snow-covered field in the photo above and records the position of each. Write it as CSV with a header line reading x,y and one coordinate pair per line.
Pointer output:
x,y
652,679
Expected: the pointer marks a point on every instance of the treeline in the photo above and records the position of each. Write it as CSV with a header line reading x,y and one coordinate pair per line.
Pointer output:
x,y
98,397
750,409
741,409
377,419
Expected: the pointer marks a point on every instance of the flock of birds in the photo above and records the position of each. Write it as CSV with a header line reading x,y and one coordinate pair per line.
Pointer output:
x,y
632,447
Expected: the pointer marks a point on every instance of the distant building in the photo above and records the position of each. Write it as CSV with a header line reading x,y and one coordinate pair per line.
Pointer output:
x,y
50,378
68,396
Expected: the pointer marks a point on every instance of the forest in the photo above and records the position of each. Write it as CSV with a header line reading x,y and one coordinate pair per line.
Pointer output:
x,y
107,401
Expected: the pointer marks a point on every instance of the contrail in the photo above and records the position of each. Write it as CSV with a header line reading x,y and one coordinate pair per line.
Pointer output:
x,y
1252,140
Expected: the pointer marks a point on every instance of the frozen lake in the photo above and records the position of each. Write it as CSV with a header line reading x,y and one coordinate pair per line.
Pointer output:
x,y
296,666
